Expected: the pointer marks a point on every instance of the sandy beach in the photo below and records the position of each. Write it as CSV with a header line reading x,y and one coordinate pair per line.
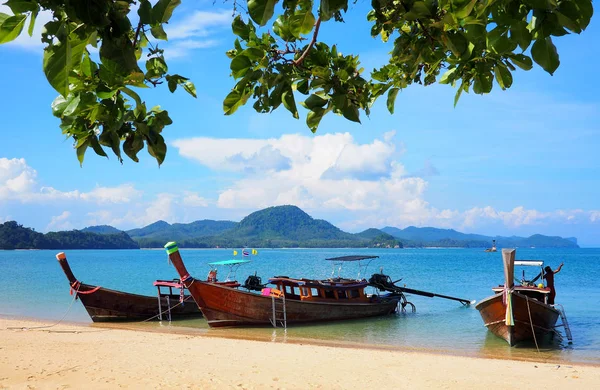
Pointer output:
x,y
80,356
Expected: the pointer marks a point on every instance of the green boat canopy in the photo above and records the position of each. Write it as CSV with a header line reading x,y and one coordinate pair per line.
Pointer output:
x,y
229,262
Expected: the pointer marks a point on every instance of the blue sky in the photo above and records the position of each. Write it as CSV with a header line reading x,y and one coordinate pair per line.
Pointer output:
x,y
521,161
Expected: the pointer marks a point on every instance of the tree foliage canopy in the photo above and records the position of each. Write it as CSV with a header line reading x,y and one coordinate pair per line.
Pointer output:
x,y
276,59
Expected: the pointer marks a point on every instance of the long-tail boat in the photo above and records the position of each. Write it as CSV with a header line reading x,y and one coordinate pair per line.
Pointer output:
x,y
292,301
105,305
520,313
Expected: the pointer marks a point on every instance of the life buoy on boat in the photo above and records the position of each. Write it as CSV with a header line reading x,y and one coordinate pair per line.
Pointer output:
x,y
276,293
212,276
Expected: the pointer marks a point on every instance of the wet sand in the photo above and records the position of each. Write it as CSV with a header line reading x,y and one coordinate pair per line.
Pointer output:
x,y
78,356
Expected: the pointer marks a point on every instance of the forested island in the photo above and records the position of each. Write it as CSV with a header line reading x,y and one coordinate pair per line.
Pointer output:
x,y
15,236
273,227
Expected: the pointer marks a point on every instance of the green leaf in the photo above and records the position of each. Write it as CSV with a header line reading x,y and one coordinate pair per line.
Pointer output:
x,y
483,82
163,10
239,66
503,76
145,12
391,99
21,6
158,32
545,55
71,106
11,27
314,118
261,10
57,66
58,106
97,148
34,15
521,34
111,139
350,112
457,95
157,147
189,87
314,101
521,60
329,7
132,145
81,148
287,98
133,95
302,22
240,28
465,10
232,102
448,77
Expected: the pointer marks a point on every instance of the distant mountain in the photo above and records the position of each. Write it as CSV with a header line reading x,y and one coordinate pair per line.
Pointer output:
x,y
429,236
289,226
15,236
161,232
102,229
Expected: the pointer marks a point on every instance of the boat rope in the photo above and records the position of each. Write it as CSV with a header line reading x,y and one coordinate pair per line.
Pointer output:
x,y
77,284
49,326
531,323
168,309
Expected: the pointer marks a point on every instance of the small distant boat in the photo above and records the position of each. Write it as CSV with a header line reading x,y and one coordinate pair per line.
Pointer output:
x,y
105,305
493,248
520,313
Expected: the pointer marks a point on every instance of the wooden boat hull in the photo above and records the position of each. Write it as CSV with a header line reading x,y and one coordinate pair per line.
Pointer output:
x,y
227,307
543,318
105,305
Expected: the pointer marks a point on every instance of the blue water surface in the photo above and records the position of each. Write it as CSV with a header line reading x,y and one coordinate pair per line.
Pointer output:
x,y
33,285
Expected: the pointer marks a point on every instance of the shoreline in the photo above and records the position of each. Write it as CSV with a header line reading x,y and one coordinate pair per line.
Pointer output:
x,y
234,334
107,357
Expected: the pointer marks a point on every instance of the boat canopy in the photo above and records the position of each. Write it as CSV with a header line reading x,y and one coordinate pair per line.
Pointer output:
x,y
352,258
229,262
536,263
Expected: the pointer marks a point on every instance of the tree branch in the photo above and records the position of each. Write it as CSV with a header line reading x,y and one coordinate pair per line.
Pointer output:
x,y
310,45
137,33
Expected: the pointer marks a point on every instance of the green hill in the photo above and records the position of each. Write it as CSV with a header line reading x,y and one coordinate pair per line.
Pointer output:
x,y
15,236
101,229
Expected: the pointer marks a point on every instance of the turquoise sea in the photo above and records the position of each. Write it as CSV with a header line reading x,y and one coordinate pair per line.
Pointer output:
x,y
33,285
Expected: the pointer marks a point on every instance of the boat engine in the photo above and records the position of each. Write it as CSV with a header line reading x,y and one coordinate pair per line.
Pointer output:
x,y
253,283
384,283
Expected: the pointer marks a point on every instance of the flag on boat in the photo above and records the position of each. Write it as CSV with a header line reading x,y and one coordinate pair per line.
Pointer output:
x,y
235,253
254,252
245,253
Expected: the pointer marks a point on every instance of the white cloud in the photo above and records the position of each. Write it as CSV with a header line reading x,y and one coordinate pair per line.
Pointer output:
x,y
123,193
195,31
60,222
194,200
197,24
18,182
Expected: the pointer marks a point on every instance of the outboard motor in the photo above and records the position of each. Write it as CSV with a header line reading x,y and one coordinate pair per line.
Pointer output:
x,y
254,283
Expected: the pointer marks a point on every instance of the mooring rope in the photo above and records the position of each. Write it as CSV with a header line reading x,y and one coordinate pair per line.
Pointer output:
x,y
50,326
531,323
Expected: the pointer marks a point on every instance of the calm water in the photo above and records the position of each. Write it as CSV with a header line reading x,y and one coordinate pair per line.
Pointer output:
x,y
32,284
